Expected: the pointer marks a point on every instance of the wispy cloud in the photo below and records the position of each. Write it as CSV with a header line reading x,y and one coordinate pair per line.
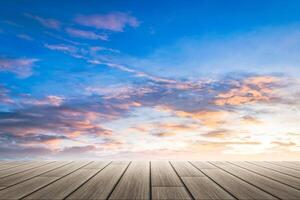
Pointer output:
x,y
20,66
47,22
86,34
61,47
25,37
115,21
4,96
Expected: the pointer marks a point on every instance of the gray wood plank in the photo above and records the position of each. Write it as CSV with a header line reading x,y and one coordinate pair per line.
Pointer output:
x,y
27,187
295,163
20,190
163,175
285,179
135,183
273,187
170,193
287,164
202,188
185,169
96,165
203,165
234,185
22,168
64,186
278,168
62,171
101,185
11,164
19,177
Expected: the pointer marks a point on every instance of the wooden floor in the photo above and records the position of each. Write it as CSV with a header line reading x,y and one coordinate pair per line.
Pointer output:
x,y
149,180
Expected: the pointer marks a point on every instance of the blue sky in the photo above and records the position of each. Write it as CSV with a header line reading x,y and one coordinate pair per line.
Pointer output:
x,y
128,79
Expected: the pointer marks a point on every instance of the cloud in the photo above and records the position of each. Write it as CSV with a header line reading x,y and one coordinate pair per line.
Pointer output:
x,y
251,90
115,21
47,22
284,144
86,34
219,133
49,100
78,149
25,37
4,96
31,139
20,66
62,48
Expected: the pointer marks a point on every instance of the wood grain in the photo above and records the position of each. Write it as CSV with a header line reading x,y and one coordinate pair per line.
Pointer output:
x,y
275,188
101,185
135,183
235,186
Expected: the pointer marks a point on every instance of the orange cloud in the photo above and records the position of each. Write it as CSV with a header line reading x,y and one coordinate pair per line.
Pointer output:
x,y
251,90
207,118
250,120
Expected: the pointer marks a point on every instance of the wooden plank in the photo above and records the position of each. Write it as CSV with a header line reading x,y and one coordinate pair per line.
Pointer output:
x,y
14,164
287,164
135,183
22,168
64,186
284,170
20,190
163,175
19,177
235,186
170,193
203,165
27,187
96,165
285,179
295,163
203,188
121,162
102,184
185,169
62,171
273,187
200,186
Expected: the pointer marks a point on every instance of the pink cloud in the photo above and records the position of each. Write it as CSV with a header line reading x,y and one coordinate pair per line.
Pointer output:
x,y
19,66
86,34
115,21
61,47
47,22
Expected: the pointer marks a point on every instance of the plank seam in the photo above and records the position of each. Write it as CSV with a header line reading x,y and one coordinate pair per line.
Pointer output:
x,y
28,169
273,169
246,181
213,181
150,182
34,176
13,166
54,181
264,175
188,191
86,180
283,166
109,195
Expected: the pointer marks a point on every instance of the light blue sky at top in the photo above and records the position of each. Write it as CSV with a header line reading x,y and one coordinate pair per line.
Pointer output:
x,y
109,76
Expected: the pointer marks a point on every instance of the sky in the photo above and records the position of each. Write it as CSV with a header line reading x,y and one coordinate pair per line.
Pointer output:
x,y
140,80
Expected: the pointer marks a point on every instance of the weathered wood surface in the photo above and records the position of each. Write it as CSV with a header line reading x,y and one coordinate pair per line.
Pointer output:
x,y
145,180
